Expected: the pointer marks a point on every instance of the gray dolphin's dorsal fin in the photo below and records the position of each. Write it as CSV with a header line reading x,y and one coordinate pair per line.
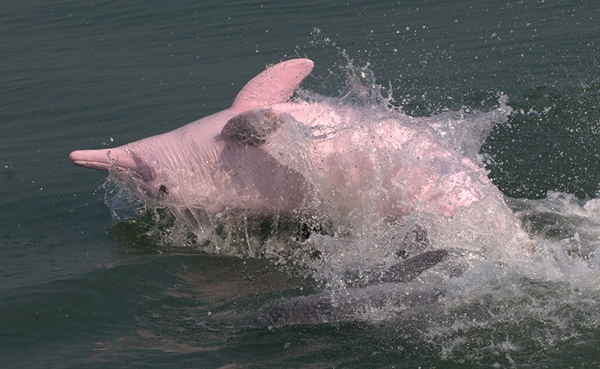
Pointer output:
x,y
253,126
409,269
273,86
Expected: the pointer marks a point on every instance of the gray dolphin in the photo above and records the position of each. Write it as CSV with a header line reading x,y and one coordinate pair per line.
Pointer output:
x,y
393,289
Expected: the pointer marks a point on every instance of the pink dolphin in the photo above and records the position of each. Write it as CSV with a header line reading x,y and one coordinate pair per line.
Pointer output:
x,y
269,154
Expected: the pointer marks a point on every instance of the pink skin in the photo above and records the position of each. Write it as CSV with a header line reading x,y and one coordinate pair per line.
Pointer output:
x,y
415,173
357,168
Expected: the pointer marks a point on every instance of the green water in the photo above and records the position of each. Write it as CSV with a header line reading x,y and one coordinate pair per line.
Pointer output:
x,y
93,74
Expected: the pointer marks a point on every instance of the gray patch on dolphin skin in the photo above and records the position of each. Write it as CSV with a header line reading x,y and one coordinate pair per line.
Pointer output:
x,y
252,127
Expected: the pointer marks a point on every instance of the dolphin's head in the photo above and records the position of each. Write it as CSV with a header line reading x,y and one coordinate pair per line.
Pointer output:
x,y
200,156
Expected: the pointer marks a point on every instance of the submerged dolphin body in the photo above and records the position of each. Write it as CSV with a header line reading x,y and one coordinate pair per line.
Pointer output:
x,y
391,290
388,290
345,305
267,154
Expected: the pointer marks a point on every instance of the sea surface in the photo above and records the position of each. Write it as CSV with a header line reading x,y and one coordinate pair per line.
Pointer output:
x,y
78,291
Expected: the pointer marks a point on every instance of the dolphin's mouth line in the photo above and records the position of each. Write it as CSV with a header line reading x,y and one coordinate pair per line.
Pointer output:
x,y
92,164
113,159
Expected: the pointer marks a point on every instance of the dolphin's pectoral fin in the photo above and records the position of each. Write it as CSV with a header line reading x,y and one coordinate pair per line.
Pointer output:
x,y
409,269
252,127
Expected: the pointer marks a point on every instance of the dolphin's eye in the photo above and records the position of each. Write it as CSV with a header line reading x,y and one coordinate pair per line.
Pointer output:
x,y
163,189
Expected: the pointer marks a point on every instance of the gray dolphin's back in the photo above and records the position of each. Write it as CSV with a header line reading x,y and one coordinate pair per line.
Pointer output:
x,y
345,304
390,290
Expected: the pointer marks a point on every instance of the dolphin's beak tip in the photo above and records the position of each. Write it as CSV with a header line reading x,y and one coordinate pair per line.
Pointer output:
x,y
93,159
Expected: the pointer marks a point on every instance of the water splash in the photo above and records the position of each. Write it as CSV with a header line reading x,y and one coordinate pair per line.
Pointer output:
x,y
340,246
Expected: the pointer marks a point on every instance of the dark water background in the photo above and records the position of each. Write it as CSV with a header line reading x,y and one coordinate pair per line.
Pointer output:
x,y
92,74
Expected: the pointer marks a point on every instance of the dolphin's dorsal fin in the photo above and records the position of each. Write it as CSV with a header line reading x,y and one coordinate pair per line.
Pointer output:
x,y
273,86
409,269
